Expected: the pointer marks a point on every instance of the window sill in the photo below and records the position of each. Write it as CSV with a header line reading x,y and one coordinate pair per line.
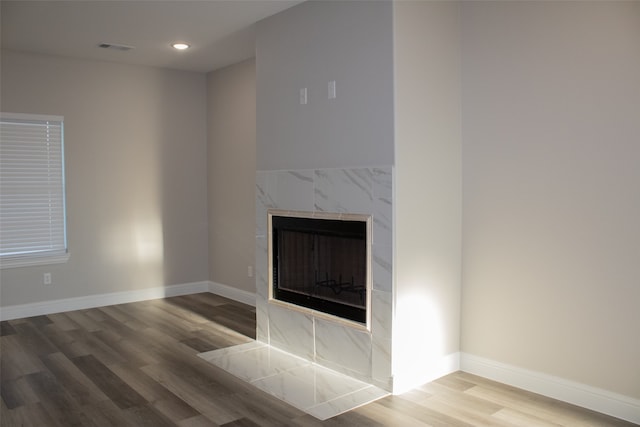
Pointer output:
x,y
30,261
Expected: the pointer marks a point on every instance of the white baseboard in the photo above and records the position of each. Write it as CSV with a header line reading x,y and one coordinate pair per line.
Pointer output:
x,y
101,300
233,293
583,395
91,301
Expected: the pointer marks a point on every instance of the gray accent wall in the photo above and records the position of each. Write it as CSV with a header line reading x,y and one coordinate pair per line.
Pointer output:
x,y
307,46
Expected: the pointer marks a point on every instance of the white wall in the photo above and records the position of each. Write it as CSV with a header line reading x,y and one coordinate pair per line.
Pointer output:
x,y
231,158
307,46
551,155
135,140
427,191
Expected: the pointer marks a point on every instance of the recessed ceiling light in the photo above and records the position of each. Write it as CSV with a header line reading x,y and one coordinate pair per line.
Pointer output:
x,y
180,46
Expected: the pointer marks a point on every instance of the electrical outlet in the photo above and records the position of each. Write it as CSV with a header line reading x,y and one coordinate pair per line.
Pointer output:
x,y
46,278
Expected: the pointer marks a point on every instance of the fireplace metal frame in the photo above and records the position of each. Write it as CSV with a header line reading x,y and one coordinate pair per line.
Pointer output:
x,y
322,215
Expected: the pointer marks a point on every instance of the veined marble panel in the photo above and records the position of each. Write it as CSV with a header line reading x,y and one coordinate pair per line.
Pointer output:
x,y
344,190
254,363
347,402
262,268
382,182
381,313
291,331
262,320
311,388
292,190
293,386
340,347
382,207
233,350
263,202
357,190
382,267
381,362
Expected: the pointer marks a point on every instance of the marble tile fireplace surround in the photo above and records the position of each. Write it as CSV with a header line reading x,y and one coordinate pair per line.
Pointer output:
x,y
362,351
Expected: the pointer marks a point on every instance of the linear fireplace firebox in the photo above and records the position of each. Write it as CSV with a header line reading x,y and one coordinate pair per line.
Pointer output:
x,y
321,262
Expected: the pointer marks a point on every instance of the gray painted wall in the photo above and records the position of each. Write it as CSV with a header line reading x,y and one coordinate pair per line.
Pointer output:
x,y
427,191
551,155
135,140
308,46
231,166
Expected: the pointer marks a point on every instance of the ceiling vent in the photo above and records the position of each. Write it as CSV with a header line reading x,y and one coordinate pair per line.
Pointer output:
x,y
115,46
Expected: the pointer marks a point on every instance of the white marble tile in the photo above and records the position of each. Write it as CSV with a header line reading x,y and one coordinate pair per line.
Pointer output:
x,y
382,233
382,178
228,351
322,191
381,362
344,190
348,402
341,347
291,331
263,202
381,313
382,207
262,268
257,364
327,384
262,320
381,327
288,388
291,190
307,386
382,267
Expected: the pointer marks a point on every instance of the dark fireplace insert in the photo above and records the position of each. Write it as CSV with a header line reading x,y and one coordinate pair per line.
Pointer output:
x,y
321,264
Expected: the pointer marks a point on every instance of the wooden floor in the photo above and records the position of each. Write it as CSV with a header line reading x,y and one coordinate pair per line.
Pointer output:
x,y
136,365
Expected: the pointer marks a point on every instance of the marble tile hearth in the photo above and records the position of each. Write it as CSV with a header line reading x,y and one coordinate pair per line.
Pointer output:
x,y
318,365
316,390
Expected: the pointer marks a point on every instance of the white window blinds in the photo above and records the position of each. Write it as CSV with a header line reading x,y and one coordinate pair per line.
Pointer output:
x,y
32,196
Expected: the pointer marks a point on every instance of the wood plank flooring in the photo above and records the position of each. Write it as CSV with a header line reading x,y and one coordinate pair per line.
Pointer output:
x,y
136,365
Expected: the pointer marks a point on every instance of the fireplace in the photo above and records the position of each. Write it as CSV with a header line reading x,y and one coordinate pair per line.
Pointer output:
x,y
359,349
319,262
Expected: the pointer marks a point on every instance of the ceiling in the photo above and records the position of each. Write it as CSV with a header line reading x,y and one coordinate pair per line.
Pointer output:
x,y
220,32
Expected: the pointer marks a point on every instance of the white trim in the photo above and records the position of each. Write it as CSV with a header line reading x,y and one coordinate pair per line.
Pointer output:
x,y
411,379
32,260
91,301
235,294
579,394
80,303
29,116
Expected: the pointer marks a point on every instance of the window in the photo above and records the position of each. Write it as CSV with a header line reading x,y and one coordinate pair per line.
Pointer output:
x,y
32,196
